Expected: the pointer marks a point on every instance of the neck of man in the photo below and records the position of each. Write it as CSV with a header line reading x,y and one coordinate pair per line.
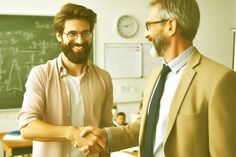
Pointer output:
x,y
72,68
176,47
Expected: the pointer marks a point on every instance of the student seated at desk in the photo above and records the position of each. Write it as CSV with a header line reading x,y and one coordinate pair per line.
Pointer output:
x,y
120,119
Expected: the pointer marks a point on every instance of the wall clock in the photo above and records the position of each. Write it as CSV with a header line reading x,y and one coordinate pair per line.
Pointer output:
x,y
127,26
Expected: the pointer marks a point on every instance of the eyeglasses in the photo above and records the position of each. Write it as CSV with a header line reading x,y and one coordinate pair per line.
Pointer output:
x,y
73,35
153,22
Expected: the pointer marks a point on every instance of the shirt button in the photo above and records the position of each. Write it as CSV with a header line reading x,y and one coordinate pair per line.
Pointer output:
x,y
67,155
68,115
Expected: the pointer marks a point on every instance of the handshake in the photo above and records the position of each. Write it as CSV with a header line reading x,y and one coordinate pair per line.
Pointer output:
x,y
88,139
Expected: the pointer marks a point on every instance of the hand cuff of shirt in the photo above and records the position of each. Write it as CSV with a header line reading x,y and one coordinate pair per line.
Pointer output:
x,y
109,140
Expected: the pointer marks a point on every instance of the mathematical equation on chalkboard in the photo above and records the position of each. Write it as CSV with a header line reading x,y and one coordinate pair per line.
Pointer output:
x,y
25,41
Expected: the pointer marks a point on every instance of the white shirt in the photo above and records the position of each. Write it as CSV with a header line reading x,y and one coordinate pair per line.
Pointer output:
x,y
177,67
77,107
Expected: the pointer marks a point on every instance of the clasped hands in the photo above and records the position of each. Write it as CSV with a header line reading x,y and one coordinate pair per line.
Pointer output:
x,y
88,139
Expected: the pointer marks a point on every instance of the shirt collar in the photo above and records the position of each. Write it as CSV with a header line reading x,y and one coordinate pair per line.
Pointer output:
x,y
62,69
176,64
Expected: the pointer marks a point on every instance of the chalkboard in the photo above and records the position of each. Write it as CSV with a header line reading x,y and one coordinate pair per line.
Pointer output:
x,y
25,41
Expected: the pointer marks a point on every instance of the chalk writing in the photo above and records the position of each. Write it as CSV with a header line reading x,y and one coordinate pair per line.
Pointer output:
x,y
25,41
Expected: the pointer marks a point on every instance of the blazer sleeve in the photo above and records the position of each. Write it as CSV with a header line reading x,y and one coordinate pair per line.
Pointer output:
x,y
222,117
125,137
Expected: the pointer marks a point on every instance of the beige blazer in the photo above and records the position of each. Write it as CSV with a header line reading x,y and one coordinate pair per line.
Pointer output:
x,y
202,117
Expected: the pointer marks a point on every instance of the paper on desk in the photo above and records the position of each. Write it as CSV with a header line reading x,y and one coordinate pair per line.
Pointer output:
x,y
12,137
131,150
119,154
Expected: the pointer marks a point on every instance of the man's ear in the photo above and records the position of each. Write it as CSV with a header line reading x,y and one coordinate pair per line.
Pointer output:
x,y
59,37
171,26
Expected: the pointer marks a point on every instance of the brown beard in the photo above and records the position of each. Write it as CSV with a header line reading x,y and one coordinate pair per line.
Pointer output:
x,y
76,58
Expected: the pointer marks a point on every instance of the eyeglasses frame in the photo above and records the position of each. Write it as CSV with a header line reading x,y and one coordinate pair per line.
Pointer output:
x,y
77,35
147,24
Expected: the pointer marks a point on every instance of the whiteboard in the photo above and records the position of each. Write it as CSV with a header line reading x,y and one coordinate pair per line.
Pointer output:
x,y
123,60
129,90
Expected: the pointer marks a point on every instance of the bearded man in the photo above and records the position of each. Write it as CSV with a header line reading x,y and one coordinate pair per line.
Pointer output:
x,y
68,92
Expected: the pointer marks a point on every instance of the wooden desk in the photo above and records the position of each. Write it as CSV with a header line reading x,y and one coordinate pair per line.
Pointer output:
x,y
16,147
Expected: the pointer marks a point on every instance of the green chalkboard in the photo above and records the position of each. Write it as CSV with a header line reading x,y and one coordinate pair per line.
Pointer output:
x,y
25,41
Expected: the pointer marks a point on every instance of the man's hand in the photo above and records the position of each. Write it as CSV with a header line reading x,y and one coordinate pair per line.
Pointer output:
x,y
101,139
86,141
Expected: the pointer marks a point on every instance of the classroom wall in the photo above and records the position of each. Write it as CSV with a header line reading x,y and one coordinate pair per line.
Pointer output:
x,y
214,38
234,15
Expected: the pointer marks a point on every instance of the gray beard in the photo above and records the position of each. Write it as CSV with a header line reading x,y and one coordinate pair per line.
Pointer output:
x,y
153,52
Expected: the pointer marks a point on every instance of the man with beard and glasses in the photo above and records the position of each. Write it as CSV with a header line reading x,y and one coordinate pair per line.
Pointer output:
x,y
68,92
192,114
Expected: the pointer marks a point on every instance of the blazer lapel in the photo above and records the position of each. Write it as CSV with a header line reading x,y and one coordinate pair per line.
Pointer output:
x,y
181,91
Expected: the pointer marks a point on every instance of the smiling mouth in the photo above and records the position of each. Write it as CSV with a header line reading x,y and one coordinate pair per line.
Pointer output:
x,y
78,48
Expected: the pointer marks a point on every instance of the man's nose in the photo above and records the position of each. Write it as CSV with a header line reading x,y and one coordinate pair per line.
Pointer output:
x,y
79,39
147,35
